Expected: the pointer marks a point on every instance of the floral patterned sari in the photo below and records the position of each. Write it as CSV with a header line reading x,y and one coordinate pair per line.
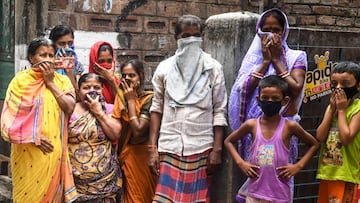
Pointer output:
x,y
95,166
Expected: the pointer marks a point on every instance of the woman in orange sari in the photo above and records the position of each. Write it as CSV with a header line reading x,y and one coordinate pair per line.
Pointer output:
x,y
34,119
132,106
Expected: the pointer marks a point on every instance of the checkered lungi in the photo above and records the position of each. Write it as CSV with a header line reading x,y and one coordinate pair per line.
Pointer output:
x,y
182,179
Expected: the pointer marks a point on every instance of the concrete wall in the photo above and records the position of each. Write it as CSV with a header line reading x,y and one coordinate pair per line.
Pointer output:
x,y
227,38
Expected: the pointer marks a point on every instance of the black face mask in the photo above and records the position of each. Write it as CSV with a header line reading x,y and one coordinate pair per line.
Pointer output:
x,y
270,108
350,91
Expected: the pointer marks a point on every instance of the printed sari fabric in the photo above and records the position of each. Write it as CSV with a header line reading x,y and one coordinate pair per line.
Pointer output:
x,y
93,58
31,111
139,182
95,166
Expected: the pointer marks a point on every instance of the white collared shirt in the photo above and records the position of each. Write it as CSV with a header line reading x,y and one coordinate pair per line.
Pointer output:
x,y
189,129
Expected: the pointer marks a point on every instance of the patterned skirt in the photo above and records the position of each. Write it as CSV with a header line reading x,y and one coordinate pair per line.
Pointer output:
x,y
183,179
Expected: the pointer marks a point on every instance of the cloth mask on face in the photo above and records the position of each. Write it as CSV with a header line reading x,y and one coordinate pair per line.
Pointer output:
x,y
270,108
350,91
105,65
188,81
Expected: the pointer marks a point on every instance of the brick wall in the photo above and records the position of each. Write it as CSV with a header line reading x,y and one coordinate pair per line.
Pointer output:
x,y
145,29
323,14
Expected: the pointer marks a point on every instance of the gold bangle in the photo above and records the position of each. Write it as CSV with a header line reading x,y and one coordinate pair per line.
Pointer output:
x,y
151,146
144,116
133,118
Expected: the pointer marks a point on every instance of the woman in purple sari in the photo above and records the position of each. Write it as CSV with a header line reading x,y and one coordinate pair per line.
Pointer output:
x,y
268,55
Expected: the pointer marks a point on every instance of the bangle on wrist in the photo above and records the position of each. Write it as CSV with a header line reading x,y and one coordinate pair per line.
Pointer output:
x,y
133,118
284,74
151,146
257,75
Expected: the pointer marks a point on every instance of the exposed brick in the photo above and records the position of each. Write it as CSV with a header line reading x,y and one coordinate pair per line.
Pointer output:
x,y
144,42
82,20
235,8
311,1
344,22
167,42
357,22
118,7
213,9
291,20
169,8
156,25
292,1
58,4
101,23
345,12
345,2
198,9
124,55
94,6
227,2
130,24
301,9
323,10
254,4
330,2
172,23
287,9
326,20
125,39
146,9
155,57
57,18
206,1
307,20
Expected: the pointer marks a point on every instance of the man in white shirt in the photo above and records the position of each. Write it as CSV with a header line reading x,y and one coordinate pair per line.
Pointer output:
x,y
188,115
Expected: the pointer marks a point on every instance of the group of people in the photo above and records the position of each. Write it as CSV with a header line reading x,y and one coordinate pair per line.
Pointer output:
x,y
94,137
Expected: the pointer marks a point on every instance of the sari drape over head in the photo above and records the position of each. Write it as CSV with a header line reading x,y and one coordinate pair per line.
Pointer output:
x,y
242,105
140,183
31,111
93,58
94,162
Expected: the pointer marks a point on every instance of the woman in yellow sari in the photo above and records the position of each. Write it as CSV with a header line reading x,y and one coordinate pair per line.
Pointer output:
x,y
95,166
132,106
34,119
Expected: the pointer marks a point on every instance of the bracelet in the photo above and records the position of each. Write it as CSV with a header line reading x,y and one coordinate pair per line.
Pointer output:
x,y
283,73
133,118
257,75
286,75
